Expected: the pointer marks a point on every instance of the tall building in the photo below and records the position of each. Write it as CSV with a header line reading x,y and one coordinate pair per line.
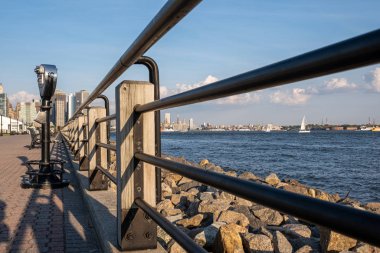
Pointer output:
x,y
71,105
80,97
3,101
167,118
59,104
27,111
191,124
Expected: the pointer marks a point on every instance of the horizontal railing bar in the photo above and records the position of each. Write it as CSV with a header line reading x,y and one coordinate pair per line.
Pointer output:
x,y
107,118
352,222
106,146
107,173
183,239
352,53
169,15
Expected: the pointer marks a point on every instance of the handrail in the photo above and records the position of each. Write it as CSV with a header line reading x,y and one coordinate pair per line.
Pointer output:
x,y
107,118
107,173
180,237
341,218
169,15
356,52
106,146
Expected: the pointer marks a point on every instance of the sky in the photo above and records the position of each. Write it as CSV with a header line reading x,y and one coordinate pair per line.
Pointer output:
x,y
217,40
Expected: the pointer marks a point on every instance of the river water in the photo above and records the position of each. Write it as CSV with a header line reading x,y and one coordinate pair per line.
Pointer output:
x,y
333,161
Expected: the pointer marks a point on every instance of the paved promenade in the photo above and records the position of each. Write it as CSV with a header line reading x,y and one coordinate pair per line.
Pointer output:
x,y
39,220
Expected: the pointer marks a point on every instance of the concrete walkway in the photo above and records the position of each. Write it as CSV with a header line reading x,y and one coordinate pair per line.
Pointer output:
x,y
39,220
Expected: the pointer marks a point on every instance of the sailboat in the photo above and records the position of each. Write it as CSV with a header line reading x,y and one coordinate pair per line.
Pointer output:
x,y
303,126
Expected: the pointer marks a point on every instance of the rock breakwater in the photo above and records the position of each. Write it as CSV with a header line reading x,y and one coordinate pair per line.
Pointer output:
x,y
222,222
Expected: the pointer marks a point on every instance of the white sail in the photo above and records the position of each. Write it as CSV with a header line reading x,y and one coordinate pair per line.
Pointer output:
x,y
303,126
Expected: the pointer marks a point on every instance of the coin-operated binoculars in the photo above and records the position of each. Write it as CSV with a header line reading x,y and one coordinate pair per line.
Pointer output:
x,y
49,172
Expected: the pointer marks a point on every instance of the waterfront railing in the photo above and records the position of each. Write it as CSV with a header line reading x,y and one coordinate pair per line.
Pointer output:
x,y
138,145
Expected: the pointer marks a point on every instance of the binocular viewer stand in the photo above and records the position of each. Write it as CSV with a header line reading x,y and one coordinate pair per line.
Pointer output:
x,y
45,173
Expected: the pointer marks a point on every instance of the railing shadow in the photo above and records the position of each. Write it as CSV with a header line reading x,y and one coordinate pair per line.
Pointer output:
x,y
52,221
4,230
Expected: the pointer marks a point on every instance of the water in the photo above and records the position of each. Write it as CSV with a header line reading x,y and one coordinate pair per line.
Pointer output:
x,y
333,161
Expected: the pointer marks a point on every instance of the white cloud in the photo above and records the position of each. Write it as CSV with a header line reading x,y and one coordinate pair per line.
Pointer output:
x,y
373,79
236,99
338,84
297,96
22,96
246,98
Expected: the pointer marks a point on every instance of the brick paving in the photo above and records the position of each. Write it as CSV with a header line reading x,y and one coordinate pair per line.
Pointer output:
x,y
39,220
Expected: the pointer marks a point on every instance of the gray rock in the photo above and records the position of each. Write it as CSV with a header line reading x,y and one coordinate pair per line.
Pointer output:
x,y
267,215
206,196
174,218
257,243
207,206
165,204
228,239
254,222
192,222
272,179
332,241
297,230
229,216
171,212
186,186
207,236
248,176
281,244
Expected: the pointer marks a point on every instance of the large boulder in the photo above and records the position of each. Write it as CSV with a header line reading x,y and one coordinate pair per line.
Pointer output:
x,y
254,222
192,222
373,206
165,204
192,208
207,206
204,162
257,243
228,239
166,190
297,230
207,236
248,176
272,179
281,244
229,216
332,241
267,215
171,212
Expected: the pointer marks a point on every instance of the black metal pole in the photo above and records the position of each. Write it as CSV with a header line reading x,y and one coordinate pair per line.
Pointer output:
x,y
353,53
169,15
45,150
359,224
107,106
1,133
154,78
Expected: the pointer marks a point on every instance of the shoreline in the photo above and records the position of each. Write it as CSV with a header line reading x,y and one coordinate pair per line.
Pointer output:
x,y
221,222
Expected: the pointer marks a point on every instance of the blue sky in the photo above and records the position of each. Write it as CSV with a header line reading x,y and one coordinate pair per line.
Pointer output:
x,y
219,39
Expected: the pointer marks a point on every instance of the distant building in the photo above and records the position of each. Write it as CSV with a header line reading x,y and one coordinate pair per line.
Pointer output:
x,y
191,124
71,105
80,97
59,104
3,102
8,125
27,111
13,114
167,120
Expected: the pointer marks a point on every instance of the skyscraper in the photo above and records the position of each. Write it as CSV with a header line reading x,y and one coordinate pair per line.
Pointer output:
x,y
80,97
3,101
167,118
191,124
71,105
59,100
27,111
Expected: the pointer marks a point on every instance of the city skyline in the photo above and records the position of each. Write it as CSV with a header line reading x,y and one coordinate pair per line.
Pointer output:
x,y
219,39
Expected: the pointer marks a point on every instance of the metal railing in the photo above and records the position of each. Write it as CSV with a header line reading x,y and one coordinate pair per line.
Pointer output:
x,y
138,137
